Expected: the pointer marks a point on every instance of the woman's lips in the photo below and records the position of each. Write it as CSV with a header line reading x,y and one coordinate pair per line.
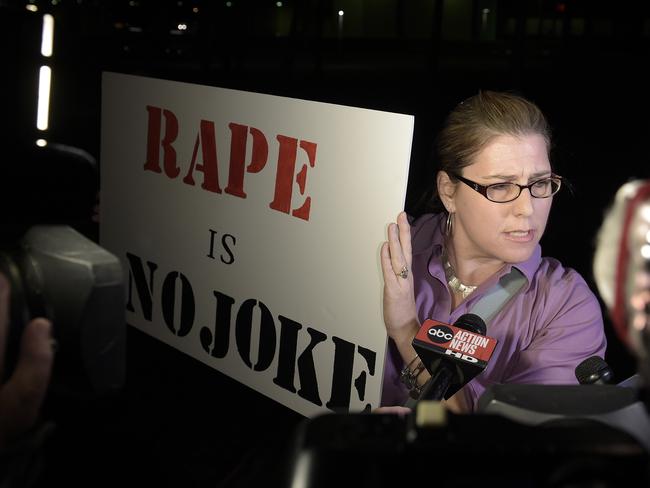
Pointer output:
x,y
520,235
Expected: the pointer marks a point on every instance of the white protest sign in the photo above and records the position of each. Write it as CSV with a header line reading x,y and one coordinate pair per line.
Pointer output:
x,y
249,229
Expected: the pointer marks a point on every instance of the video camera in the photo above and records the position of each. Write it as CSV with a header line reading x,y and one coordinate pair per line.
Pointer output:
x,y
56,272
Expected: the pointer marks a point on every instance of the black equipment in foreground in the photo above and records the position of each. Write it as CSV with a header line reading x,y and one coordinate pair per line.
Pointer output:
x,y
547,436
595,399
56,272
388,450
543,405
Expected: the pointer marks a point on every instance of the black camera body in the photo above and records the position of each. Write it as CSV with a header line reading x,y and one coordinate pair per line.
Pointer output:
x,y
56,272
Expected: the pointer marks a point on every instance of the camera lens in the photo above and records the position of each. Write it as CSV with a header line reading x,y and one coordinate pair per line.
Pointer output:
x,y
57,273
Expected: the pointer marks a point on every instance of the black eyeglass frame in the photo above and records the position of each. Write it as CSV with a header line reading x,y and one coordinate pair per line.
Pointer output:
x,y
483,189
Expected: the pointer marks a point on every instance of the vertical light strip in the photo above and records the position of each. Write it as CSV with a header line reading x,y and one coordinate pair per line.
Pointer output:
x,y
45,74
47,37
44,81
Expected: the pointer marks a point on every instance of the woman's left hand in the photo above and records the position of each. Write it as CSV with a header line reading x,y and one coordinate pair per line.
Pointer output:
x,y
400,314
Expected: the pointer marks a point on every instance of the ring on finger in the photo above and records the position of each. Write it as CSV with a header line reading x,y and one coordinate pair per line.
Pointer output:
x,y
404,273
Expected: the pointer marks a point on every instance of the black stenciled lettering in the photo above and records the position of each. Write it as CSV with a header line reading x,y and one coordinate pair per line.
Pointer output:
x,y
221,341
307,371
243,329
287,354
145,291
360,383
342,374
187,307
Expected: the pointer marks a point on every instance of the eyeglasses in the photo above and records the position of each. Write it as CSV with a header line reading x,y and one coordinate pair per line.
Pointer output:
x,y
507,192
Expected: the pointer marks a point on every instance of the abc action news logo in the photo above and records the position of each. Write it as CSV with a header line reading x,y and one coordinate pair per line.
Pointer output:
x,y
473,347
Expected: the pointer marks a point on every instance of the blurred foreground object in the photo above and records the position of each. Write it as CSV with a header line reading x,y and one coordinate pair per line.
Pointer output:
x,y
57,273
622,269
387,450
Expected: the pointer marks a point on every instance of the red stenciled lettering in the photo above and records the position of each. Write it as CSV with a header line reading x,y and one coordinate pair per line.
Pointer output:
x,y
301,179
163,133
206,139
259,156
154,142
285,175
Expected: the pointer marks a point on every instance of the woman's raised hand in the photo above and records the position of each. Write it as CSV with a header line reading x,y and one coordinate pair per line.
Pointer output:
x,y
400,315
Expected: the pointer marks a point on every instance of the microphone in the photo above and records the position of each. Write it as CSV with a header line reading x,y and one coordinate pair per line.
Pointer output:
x,y
453,354
594,371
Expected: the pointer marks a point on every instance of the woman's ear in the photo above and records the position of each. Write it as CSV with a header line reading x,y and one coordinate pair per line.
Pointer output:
x,y
446,190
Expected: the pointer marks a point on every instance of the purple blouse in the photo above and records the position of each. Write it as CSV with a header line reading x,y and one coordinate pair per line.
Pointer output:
x,y
543,333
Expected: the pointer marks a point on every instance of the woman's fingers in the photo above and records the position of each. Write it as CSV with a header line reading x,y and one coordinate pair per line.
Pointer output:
x,y
405,237
399,246
387,265
398,303
396,255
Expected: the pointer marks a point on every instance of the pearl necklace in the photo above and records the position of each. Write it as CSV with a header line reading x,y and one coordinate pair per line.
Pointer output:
x,y
452,280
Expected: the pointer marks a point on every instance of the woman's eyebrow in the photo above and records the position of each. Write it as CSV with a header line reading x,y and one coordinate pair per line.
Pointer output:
x,y
534,176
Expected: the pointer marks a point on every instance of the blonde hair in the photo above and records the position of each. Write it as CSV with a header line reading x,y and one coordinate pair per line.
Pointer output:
x,y
474,122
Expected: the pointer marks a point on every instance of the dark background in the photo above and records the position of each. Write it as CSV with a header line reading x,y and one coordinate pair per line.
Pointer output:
x,y
584,62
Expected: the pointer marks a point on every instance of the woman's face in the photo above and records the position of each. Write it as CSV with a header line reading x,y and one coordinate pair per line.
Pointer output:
x,y
508,231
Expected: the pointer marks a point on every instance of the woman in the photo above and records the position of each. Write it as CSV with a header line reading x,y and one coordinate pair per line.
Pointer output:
x,y
496,187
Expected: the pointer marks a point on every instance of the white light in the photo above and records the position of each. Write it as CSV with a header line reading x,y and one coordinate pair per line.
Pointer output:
x,y
341,12
31,8
645,251
195,10
47,37
41,142
486,11
645,213
44,82
278,4
228,4
182,27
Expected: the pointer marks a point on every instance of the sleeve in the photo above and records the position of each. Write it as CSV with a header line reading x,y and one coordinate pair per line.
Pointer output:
x,y
569,328
394,392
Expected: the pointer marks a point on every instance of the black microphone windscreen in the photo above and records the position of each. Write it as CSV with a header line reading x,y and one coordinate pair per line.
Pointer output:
x,y
592,370
471,322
